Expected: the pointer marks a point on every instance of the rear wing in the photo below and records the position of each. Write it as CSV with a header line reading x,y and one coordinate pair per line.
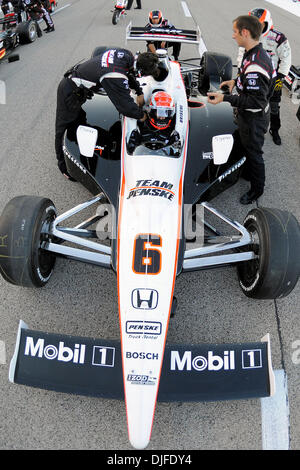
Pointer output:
x,y
137,33
9,18
93,367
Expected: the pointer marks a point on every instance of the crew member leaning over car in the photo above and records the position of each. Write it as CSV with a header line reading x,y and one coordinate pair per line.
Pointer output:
x,y
254,84
112,71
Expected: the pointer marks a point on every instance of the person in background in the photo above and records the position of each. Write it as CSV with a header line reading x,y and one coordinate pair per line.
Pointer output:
x,y
156,20
138,5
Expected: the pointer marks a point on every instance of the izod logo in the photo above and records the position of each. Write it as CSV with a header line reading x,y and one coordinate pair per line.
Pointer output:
x,y
59,352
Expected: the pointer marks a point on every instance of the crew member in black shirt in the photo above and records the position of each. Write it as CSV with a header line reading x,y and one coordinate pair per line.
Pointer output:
x,y
112,71
254,84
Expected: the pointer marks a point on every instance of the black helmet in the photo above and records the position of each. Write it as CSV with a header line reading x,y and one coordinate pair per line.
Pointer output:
x,y
147,63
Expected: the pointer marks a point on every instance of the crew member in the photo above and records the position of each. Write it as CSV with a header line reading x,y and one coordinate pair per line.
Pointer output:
x,y
138,5
278,47
112,70
36,9
156,20
254,83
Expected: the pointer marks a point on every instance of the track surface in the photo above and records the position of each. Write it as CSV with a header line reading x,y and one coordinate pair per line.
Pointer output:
x,y
82,299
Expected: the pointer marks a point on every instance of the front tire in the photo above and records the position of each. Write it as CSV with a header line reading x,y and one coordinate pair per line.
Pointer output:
x,y
23,225
276,240
115,17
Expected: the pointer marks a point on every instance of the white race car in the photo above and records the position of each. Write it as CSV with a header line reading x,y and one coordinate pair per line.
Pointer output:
x,y
146,188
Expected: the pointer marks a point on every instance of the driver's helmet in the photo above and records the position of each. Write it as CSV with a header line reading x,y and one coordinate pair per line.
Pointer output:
x,y
155,15
162,110
264,17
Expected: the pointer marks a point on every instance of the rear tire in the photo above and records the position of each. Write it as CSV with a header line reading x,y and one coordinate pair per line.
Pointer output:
x,y
27,31
216,68
22,260
276,240
99,50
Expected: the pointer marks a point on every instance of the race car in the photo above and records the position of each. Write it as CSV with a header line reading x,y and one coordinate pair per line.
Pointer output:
x,y
9,40
18,28
149,195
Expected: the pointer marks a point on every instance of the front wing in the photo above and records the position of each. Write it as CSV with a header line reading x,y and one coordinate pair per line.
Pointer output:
x,y
93,367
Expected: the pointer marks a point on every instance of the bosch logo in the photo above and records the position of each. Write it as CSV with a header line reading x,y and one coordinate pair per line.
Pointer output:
x,y
141,355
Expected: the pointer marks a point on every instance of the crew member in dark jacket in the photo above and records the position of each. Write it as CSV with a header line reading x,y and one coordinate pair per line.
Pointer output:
x,y
254,84
138,5
111,71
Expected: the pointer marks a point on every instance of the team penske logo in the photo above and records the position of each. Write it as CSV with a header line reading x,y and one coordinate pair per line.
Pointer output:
x,y
108,58
152,188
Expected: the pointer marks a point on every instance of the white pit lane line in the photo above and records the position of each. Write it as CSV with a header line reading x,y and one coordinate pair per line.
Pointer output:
x,y
60,9
2,353
275,416
2,92
186,11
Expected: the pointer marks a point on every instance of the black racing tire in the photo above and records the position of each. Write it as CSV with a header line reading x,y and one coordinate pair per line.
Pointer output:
x,y
276,240
215,68
27,31
99,50
115,17
22,260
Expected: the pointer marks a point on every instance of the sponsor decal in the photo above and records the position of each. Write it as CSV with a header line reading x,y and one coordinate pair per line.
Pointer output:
x,y
152,188
141,355
103,356
59,352
137,379
199,363
251,359
145,299
76,162
232,169
108,58
207,155
143,327
181,113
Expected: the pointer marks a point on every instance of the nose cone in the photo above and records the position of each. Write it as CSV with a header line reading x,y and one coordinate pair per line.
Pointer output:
x,y
140,441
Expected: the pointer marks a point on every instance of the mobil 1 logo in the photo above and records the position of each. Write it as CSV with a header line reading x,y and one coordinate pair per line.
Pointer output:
x,y
103,356
251,359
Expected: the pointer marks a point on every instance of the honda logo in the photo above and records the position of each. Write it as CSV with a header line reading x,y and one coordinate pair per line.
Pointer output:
x,y
145,299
